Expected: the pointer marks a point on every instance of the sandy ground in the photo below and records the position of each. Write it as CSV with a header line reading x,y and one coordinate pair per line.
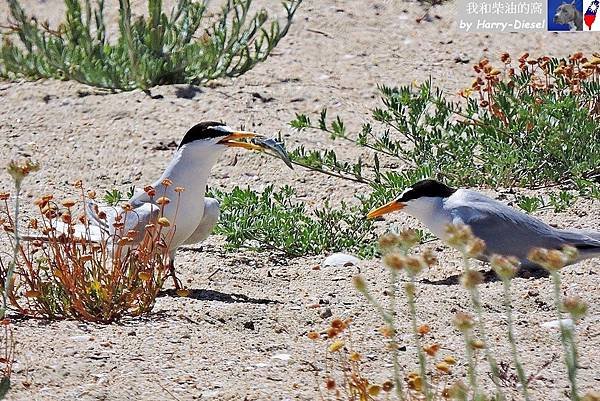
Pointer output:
x,y
242,333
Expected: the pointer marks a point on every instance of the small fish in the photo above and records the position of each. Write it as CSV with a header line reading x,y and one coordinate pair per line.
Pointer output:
x,y
276,147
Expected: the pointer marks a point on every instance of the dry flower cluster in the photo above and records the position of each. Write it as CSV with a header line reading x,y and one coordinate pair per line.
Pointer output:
x,y
351,384
431,381
542,73
60,273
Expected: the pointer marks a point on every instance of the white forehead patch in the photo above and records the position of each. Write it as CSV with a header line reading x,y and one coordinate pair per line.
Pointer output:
x,y
223,128
404,192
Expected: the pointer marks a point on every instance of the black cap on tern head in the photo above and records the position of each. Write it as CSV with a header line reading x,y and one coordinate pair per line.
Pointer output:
x,y
203,130
426,188
421,189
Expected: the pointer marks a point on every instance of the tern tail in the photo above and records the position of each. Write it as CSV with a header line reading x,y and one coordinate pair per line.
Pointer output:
x,y
587,242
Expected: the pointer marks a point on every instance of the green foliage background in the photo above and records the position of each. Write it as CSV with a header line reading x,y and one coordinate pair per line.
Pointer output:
x,y
179,47
533,138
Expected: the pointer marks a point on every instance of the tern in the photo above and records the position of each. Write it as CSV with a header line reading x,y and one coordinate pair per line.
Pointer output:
x,y
194,215
506,231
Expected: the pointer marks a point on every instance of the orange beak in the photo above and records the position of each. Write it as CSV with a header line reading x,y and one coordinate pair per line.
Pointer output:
x,y
230,140
385,209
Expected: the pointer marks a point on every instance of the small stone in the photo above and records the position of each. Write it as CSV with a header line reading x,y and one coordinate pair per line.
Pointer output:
x,y
340,259
555,324
462,58
81,338
282,357
326,314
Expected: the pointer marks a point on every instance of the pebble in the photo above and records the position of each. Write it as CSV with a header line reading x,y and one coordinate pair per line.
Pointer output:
x,y
462,58
282,357
555,324
326,313
340,259
81,338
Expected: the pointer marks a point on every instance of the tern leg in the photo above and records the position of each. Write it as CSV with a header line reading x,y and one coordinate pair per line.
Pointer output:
x,y
176,281
172,273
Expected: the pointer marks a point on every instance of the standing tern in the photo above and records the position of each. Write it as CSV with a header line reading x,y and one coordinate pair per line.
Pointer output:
x,y
194,215
506,231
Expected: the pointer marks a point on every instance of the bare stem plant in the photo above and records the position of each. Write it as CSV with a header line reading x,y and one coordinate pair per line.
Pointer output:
x,y
431,381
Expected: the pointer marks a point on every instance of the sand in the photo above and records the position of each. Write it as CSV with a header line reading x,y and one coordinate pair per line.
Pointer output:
x,y
241,335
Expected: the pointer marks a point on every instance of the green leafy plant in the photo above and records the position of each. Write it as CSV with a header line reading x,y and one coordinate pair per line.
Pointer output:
x,y
520,126
513,129
179,47
562,201
559,201
115,196
530,204
274,220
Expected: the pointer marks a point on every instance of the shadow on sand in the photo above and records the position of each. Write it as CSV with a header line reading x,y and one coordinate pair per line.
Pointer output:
x,y
489,277
211,295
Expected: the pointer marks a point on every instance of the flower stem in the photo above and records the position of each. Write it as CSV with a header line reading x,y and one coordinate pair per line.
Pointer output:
x,y
471,370
567,340
389,320
476,301
512,340
410,296
11,266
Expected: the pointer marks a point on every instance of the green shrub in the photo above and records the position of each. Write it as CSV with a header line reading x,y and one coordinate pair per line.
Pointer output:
x,y
156,50
274,220
532,125
531,128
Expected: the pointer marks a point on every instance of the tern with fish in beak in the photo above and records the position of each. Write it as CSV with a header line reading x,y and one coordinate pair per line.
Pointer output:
x,y
194,216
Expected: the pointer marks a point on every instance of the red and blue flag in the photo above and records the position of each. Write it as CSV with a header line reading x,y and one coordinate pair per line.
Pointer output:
x,y
590,14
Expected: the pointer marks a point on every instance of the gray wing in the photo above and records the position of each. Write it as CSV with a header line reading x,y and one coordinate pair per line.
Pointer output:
x,y
100,220
93,212
507,231
588,234
90,233
208,222
101,228
137,219
587,242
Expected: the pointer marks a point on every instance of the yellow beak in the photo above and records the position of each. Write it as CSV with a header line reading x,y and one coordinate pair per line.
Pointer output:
x,y
385,209
230,140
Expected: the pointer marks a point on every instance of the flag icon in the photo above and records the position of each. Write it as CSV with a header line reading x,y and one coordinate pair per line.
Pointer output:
x,y
589,18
